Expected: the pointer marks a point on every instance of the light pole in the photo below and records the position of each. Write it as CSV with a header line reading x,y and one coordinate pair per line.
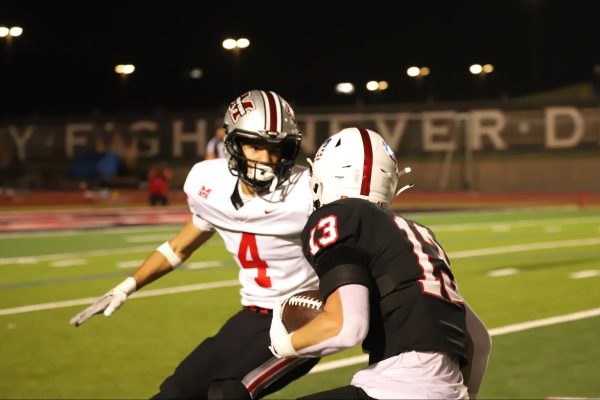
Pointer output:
x,y
481,71
124,70
236,46
8,34
418,73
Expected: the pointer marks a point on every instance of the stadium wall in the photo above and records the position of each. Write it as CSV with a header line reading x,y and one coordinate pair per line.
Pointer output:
x,y
486,147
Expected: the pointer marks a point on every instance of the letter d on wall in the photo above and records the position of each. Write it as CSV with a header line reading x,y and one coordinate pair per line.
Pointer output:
x,y
572,139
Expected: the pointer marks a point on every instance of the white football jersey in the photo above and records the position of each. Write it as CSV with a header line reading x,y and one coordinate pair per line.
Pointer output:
x,y
263,235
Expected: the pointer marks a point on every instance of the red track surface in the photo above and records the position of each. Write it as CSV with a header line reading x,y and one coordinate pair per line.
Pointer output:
x,y
59,210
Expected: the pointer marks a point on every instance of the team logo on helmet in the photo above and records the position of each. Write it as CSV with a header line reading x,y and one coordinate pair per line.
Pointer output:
x,y
390,152
289,110
322,149
240,106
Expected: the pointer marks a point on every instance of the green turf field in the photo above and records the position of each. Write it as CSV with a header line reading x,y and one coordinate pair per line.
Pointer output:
x,y
512,266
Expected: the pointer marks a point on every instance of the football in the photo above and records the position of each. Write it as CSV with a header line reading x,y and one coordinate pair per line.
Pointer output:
x,y
301,308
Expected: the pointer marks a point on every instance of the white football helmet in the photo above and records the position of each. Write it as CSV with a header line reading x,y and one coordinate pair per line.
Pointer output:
x,y
266,118
355,162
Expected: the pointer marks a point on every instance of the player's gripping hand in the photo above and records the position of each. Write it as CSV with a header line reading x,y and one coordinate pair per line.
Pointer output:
x,y
108,303
281,340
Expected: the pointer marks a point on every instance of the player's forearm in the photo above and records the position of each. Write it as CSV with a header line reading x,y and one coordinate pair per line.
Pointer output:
x,y
171,254
343,324
155,266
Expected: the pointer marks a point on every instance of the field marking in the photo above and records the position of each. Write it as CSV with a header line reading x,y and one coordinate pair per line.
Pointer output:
x,y
129,264
585,274
145,293
101,231
205,264
513,224
524,247
80,254
503,272
68,262
453,255
145,238
523,326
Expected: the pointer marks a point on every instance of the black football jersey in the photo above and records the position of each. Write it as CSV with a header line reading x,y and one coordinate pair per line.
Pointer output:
x,y
415,303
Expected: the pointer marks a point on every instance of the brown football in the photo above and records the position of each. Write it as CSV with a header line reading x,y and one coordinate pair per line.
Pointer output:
x,y
301,308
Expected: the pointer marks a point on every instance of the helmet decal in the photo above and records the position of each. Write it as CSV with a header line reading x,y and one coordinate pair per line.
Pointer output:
x,y
240,106
365,187
321,149
389,150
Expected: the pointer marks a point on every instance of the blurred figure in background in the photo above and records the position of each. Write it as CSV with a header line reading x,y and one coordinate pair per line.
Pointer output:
x,y
216,145
159,178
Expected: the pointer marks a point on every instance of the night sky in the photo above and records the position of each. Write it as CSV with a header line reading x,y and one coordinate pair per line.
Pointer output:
x,y
64,61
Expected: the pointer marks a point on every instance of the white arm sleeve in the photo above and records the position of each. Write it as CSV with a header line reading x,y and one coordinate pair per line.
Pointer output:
x,y
479,350
355,309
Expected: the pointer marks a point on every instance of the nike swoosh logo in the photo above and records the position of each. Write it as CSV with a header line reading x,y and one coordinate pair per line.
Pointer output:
x,y
269,211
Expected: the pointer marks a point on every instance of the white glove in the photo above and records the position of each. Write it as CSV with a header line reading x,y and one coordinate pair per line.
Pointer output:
x,y
108,303
281,340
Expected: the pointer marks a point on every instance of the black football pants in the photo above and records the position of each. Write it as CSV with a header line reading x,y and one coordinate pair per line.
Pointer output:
x,y
235,364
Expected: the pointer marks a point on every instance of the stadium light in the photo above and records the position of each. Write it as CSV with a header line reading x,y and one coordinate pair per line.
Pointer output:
x,y
234,44
14,31
377,86
344,88
478,69
8,34
125,69
418,72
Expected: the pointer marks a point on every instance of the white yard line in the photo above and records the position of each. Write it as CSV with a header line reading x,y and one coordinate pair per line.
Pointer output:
x,y
524,247
68,262
146,238
493,332
503,272
145,293
455,255
585,274
514,224
100,231
79,254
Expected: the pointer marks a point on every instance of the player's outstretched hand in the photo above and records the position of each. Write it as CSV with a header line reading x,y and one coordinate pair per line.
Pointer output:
x,y
108,303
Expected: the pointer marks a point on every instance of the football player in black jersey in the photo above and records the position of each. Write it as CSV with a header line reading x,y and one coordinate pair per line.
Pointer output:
x,y
386,281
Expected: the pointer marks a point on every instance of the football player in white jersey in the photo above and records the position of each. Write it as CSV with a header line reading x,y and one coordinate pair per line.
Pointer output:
x,y
258,201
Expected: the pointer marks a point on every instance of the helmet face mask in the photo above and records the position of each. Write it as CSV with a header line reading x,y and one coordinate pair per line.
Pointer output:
x,y
355,162
266,119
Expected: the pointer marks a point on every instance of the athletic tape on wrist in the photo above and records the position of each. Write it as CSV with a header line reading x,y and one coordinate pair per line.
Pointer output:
x,y
166,250
285,348
128,286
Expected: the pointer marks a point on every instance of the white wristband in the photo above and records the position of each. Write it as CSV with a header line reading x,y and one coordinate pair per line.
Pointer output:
x,y
166,250
128,286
